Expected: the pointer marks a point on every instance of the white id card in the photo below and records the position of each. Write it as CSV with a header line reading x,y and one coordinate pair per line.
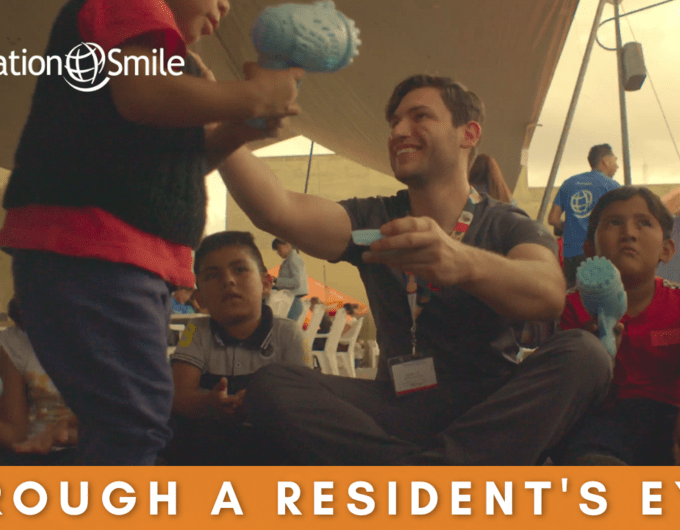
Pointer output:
x,y
412,375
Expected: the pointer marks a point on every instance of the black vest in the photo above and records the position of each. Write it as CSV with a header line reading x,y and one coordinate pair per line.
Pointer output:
x,y
77,150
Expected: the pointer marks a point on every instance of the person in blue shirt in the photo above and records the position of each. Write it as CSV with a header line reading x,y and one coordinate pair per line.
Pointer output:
x,y
576,199
181,301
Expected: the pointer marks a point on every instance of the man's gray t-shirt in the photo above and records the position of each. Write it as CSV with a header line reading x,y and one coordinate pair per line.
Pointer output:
x,y
463,335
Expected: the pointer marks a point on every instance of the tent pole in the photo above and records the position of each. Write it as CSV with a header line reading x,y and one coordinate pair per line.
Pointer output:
x,y
570,114
309,165
622,101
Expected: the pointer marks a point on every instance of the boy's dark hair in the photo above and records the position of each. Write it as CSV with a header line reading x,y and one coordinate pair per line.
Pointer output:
x,y
277,242
13,312
624,193
464,105
229,238
597,153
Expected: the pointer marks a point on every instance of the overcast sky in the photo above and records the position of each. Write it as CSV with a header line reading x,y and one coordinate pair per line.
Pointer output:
x,y
597,120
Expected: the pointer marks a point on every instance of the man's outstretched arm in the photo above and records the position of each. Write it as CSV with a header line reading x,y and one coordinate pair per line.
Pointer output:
x,y
317,226
527,284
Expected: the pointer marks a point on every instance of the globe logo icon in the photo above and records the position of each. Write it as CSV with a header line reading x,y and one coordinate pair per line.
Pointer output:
x,y
582,203
83,65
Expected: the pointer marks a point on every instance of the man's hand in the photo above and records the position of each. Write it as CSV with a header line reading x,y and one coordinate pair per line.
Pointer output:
x,y
278,89
419,246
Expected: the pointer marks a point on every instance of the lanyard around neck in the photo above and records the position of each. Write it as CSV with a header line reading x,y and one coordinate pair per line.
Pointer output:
x,y
419,296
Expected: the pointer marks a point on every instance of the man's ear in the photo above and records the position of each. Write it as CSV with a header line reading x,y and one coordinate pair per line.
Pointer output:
x,y
667,251
589,248
471,134
267,283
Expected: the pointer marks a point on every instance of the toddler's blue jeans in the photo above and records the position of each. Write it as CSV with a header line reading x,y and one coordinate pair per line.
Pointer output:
x,y
99,330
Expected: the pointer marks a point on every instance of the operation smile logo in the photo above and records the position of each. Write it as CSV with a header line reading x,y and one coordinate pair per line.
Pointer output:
x,y
83,67
582,203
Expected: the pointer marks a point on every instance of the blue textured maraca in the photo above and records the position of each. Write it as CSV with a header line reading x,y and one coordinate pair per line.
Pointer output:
x,y
603,296
315,37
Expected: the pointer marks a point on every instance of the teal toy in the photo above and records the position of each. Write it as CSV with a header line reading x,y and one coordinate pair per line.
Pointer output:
x,y
315,37
366,237
603,296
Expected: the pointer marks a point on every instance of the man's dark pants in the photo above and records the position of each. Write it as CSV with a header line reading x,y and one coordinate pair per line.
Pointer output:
x,y
637,431
512,420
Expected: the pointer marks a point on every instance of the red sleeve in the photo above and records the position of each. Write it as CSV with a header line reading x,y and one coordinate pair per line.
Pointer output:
x,y
560,251
574,314
110,23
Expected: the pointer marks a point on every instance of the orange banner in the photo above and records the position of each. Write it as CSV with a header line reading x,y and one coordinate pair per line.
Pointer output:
x,y
339,497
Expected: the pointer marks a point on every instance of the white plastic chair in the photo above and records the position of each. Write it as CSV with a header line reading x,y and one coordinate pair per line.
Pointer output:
x,y
305,308
280,302
328,360
374,353
314,323
179,330
346,358
178,327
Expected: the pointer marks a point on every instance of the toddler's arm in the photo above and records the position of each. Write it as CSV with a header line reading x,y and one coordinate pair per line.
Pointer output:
x,y
222,139
186,101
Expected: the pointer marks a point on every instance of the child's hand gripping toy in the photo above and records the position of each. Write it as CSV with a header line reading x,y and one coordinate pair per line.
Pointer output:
x,y
603,296
315,37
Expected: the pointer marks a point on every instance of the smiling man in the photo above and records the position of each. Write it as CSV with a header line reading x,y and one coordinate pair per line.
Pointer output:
x,y
451,275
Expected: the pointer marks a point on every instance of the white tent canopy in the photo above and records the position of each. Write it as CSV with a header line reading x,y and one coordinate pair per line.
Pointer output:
x,y
504,50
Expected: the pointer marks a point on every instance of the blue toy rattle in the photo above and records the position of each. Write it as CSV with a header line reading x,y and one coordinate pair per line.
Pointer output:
x,y
603,296
315,37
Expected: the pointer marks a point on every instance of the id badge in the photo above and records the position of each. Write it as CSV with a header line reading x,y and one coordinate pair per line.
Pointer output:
x,y
412,374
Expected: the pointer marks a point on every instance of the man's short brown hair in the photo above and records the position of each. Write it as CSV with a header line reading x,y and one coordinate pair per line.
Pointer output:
x,y
597,153
464,105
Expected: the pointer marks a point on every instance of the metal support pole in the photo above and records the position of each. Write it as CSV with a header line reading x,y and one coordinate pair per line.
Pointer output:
x,y
309,165
622,100
570,114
